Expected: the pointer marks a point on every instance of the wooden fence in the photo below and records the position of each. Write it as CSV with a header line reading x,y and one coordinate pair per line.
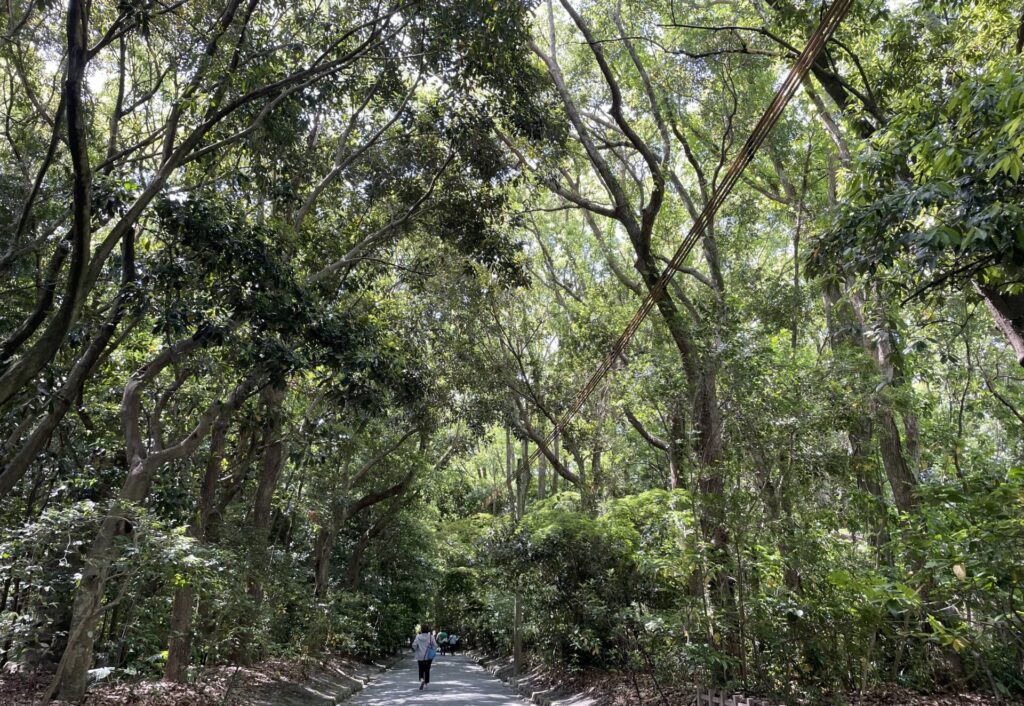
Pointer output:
x,y
706,697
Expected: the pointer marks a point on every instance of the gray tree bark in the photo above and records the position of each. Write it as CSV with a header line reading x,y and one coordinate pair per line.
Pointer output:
x,y
1008,313
143,463
179,647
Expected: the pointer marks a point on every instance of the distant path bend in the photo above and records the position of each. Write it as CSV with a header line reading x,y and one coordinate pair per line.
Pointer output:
x,y
455,680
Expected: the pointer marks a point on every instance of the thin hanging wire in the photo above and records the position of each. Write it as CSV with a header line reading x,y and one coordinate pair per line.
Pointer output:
x,y
796,75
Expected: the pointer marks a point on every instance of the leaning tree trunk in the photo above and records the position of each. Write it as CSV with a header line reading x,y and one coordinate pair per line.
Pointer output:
x,y
88,603
14,467
74,666
1008,313
87,606
17,373
353,570
902,480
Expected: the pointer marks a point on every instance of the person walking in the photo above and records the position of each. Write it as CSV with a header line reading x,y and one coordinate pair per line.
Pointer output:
x,y
425,647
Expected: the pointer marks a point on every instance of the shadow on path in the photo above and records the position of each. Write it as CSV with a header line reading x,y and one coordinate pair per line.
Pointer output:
x,y
455,680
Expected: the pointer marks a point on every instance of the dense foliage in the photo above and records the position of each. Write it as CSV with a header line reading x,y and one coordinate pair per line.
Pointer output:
x,y
294,293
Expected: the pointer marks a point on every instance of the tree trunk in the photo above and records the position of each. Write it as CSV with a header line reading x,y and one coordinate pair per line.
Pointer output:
x,y
342,514
355,561
354,569
557,450
87,606
17,464
864,471
780,512
913,441
701,376
517,632
14,376
1008,313
73,670
272,398
676,452
322,549
542,477
711,487
510,461
179,644
523,480
585,494
273,460
845,330
901,479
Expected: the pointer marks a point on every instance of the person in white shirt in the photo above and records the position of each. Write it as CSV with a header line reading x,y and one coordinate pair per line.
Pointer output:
x,y
425,647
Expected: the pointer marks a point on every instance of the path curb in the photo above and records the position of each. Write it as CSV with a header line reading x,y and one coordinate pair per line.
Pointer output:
x,y
325,687
388,663
532,687
348,692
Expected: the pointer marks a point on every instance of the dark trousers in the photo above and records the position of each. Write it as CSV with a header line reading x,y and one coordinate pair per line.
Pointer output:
x,y
424,670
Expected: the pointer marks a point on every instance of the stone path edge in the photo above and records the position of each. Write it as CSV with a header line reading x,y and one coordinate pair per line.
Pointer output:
x,y
338,692
531,686
389,663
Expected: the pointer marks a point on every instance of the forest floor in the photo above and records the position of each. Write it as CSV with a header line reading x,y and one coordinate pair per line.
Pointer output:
x,y
582,688
275,682
563,687
283,682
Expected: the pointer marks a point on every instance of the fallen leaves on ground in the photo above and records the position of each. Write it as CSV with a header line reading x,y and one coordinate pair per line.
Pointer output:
x,y
216,686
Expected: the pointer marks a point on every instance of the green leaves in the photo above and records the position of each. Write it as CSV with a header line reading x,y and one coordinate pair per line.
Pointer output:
x,y
940,186
1009,164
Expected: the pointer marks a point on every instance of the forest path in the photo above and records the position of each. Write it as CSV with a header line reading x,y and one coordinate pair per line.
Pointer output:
x,y
455,680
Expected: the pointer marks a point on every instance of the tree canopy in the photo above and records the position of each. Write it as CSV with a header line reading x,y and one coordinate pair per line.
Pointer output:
x,y
296,297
